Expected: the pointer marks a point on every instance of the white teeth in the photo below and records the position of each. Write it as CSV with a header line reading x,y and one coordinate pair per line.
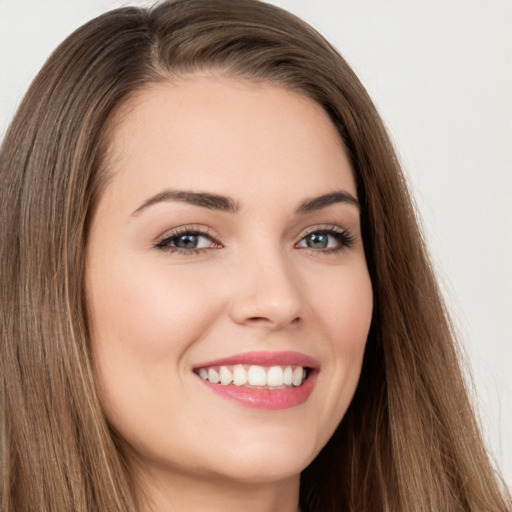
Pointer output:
x,y
288,376
213,376
226,377
255,375
298,375
275,376
239,375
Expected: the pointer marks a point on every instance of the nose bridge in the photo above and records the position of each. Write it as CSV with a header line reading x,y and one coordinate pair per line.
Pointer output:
x,y
267,289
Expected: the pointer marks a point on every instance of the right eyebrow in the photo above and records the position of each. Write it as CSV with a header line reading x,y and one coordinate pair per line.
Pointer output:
x,y
325,200
202,199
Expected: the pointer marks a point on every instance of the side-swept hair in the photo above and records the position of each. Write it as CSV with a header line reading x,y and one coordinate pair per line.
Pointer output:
x,y
409,441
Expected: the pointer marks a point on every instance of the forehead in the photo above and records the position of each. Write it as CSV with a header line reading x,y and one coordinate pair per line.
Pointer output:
x,y
226,135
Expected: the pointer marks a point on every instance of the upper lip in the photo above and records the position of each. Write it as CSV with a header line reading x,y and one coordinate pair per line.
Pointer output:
x,y
266,358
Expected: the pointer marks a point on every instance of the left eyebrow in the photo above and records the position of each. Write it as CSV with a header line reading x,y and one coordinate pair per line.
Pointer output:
x,y
317,203
202,199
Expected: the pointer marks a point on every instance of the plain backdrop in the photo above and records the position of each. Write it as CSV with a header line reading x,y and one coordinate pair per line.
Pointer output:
x,y
440,73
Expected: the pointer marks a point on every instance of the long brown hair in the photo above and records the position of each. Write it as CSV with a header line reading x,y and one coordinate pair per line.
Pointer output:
x,y
409,441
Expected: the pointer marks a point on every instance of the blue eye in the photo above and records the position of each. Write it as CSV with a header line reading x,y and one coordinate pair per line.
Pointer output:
x,y
317,240
187,241
326,240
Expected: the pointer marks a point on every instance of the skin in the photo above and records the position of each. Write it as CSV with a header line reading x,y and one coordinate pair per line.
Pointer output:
x,y
253,285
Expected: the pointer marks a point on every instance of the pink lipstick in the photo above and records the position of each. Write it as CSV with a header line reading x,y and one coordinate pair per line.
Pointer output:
x,y
263,380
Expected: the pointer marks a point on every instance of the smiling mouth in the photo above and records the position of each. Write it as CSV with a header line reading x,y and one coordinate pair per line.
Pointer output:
x,y
263,380
255,376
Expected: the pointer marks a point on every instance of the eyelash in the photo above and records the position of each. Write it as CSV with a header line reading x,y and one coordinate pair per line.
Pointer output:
x,y
342,237
164,242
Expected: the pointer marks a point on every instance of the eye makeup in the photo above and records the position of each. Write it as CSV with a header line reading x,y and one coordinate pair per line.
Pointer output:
x,y
188,240
194,239
326,239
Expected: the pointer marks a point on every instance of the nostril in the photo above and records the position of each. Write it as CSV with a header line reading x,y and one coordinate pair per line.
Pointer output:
x,y
264,319
258,319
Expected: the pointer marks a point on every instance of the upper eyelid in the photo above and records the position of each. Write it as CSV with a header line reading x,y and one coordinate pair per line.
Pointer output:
x,y
163,245
347,236
322,227
188,228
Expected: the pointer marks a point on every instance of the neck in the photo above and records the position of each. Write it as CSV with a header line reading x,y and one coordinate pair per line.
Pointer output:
x,y
192,493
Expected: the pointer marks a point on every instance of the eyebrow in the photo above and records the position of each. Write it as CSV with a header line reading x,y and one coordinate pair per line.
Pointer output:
x,y
323,201
202,199
226,204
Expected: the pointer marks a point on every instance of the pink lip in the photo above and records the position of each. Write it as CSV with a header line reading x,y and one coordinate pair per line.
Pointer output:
x,y
265,398
269,399
264,359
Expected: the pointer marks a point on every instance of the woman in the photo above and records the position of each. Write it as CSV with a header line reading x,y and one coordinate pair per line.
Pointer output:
x,y
216,294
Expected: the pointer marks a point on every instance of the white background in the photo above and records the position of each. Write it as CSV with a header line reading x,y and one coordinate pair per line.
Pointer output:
x,y
440,73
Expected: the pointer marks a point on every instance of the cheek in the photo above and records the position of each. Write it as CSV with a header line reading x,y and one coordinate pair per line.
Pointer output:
x,y
142,324
345,308
344,316
148,313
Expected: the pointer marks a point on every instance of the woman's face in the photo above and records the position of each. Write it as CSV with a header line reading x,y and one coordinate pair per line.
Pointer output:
x,y
227,245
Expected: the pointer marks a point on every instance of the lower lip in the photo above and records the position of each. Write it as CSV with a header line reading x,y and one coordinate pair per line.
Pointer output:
x,y
269,399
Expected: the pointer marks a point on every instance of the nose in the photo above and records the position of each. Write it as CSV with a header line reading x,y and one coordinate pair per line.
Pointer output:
x,y
267,292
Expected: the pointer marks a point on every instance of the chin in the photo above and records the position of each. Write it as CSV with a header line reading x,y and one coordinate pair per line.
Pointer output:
x,y
268,460
259,472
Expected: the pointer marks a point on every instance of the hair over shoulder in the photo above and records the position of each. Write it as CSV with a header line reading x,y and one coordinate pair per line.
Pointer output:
x,y
409,440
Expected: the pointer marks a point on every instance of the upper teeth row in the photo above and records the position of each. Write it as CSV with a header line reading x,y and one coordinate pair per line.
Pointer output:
x,y
254,375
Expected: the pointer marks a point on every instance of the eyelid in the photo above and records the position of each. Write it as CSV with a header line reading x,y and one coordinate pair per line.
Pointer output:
x,y
348,237
322,227
196,229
